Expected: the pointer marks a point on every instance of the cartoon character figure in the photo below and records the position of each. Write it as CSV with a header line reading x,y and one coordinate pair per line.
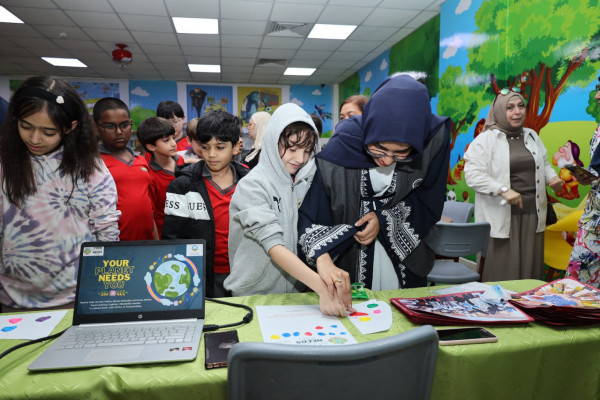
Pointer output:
x,y
567,155
250,105
197,96
451,195
458,169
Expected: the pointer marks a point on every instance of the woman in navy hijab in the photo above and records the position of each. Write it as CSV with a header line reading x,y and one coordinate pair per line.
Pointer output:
x,y
379,188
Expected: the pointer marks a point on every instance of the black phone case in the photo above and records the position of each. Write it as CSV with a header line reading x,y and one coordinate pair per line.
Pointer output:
x,y
217,345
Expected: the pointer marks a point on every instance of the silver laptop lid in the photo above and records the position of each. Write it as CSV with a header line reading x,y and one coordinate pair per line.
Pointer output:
x,y
140,281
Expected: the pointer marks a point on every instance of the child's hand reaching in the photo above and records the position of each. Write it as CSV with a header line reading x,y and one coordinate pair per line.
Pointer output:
x,y
333,306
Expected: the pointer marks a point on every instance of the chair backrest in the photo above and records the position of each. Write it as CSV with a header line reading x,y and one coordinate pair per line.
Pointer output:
x,y
398,367
459,239
458,211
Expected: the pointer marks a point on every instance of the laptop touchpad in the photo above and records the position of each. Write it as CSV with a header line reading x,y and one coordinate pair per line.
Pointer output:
x,y
114,354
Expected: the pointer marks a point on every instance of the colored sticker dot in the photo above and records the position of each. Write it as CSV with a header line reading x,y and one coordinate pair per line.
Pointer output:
x,y
307,334
286,334
42,319
318,327
331,333
342,333
296,333
364,319
275,337
372,305
337,340
377,312
8,328
321,334
334,326
15,320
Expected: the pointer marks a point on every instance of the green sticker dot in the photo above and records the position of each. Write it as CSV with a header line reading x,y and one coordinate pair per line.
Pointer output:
x,y
372,305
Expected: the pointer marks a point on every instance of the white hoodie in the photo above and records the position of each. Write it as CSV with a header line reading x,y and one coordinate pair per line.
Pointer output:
x,y
264,213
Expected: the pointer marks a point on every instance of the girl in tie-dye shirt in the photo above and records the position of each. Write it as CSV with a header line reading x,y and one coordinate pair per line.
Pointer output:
x,y
56,194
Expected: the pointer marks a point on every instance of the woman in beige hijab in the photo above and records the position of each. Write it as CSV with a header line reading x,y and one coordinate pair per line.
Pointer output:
x,y
256,129
507,167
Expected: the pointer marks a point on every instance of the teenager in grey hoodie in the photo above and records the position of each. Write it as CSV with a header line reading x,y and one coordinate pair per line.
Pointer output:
x,y
264,215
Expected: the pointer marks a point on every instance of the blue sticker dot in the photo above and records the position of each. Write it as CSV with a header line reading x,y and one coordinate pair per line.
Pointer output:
x,y
286,334
331,333
342,333
296,333
321,334
334,326
8,328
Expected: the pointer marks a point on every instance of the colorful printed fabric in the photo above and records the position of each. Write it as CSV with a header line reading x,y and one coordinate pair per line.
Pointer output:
x,y
41,241
585,258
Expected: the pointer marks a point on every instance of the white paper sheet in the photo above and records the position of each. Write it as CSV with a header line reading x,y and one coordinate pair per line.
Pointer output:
x,y
301,324
31,325
371,316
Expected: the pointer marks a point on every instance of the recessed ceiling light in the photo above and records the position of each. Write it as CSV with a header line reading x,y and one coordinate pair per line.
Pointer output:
x,y
205,26
299,71
7,16
64,62
324,31
205,68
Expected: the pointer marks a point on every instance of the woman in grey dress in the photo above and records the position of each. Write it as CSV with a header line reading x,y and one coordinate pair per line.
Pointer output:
x,y
507,167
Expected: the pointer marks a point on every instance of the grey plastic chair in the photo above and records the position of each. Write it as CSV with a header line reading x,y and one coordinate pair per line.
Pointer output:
x,y
458,211
397,367
457,240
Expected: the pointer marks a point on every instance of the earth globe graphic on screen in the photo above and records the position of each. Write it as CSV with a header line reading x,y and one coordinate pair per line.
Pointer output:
x,y
172,279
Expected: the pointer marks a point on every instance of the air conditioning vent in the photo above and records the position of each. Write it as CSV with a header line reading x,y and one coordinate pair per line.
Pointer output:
x,y
272,62
289,29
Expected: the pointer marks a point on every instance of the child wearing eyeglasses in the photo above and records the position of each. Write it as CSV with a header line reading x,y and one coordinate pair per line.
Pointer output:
x,y
56,194
130,172
379,188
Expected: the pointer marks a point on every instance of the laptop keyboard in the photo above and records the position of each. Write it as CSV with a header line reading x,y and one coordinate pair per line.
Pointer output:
x,y
128,335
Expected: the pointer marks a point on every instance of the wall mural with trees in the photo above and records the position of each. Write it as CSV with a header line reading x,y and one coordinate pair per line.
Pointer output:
x,y
549,49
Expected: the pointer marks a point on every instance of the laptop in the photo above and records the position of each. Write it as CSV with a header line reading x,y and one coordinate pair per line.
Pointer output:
x,y
136,302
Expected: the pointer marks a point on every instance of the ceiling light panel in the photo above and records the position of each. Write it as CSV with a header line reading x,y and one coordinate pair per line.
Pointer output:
x,y
326,31
64,62
199,26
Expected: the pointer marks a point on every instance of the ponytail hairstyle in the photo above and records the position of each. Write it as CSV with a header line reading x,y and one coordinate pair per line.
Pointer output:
x,y
63,105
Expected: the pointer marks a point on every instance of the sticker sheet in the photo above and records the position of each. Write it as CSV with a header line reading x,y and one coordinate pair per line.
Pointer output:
x,y
33,325
371,316
301,324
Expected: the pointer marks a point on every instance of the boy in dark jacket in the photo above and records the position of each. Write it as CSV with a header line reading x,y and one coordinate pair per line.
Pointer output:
x,y
197,204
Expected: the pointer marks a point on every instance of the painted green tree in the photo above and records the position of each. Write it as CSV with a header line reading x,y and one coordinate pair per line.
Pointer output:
x,y
419,53
461,104
593,108
542,46
349,87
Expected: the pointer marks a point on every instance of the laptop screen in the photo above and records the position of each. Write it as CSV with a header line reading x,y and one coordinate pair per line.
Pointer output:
x,y
140,280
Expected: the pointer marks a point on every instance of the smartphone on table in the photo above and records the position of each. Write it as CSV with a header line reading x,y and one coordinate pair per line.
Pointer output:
x,y
454,336
217,346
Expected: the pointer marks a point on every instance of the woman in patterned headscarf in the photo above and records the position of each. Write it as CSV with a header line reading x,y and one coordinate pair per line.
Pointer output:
x,y
379,188
507,167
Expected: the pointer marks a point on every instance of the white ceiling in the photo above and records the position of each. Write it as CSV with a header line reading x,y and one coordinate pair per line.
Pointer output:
x,y
93,27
